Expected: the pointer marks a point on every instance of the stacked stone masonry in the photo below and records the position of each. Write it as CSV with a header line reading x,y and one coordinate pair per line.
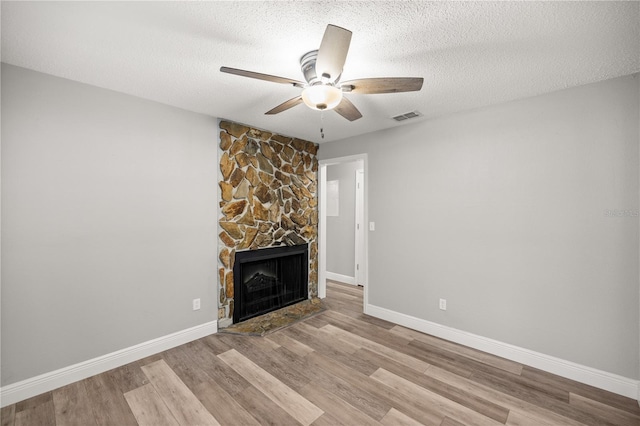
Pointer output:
x,y
268,197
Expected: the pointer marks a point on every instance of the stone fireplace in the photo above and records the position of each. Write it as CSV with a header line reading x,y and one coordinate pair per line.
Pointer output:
x,y
268,199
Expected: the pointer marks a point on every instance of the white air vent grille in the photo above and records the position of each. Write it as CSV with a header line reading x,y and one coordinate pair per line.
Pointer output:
x,y
402,117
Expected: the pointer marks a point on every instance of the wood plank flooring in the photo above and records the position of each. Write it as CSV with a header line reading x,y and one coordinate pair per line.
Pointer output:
x,y
340,367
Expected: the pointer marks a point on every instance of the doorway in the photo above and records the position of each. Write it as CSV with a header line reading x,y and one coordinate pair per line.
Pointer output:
x,y
342,244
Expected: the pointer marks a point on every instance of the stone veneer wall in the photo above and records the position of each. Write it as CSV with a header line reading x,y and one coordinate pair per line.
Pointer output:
x,y
268,198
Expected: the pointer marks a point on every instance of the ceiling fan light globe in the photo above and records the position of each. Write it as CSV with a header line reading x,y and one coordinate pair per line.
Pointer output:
x,y
322,97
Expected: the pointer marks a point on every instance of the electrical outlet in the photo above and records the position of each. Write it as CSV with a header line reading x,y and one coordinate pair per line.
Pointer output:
x,y
196,304
372,226
443,304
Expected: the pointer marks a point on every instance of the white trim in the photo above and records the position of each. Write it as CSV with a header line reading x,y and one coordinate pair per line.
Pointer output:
x,y
581,373
322,231
46,382
360,263
341,278
345,159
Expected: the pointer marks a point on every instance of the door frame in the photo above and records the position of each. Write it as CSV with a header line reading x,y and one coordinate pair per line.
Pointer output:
x,y
322,225
360,262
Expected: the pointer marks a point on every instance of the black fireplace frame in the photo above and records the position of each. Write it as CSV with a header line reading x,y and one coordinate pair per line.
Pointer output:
x,y
263,254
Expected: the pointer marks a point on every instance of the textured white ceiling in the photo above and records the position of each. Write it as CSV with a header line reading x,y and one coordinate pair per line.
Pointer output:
x,y
471,54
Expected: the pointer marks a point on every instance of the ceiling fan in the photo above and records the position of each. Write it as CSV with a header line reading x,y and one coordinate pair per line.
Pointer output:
x,y
322,70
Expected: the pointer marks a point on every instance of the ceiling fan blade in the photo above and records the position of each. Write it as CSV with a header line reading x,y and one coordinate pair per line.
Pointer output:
x,y
348,110
333,52
285,105
259,76
383,85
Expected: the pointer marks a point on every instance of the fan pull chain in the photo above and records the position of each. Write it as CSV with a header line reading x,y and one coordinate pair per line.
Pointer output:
x,y
322,124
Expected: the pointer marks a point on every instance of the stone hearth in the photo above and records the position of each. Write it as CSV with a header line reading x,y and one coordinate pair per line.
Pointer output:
x,y
277,320
268,197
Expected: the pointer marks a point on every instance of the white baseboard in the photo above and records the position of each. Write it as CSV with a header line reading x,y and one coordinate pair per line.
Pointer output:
x,y
340,278
46,382
580,373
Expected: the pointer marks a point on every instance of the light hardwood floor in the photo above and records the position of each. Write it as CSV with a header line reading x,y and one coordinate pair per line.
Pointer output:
x,y
338,368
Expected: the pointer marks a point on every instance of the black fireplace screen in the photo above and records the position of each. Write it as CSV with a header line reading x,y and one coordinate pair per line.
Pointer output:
x,y
269,279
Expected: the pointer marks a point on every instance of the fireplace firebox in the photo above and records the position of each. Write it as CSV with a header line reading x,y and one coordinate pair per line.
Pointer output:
x,y
268,279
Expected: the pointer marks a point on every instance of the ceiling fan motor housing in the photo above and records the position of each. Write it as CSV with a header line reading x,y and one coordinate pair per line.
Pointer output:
x,y
320,98
308,66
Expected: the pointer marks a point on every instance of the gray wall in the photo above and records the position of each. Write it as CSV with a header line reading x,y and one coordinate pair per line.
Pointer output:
x,y
108,221
501,211
341,229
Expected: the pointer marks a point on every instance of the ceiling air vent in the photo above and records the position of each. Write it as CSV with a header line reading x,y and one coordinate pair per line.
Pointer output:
x,y
402,117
